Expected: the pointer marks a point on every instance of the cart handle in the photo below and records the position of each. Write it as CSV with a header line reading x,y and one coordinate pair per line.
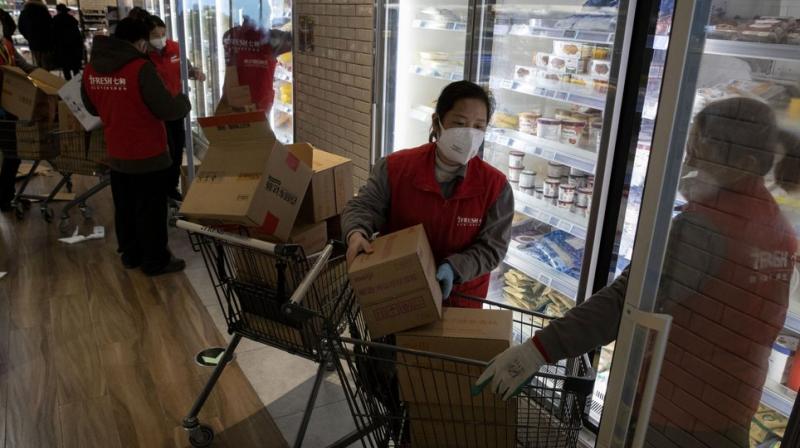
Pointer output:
x,y
229,237
300,292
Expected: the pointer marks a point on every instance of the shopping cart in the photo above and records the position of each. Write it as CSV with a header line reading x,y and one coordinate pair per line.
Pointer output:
x,y
275,295
80,153
27,141
403,397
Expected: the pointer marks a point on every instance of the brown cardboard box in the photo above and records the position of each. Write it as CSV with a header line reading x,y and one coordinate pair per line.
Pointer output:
x,y
235,97
185,173
331,187
396,284
70,94
66,119
462,332
247,177
31,97
74,142
35,141
312,237
463,426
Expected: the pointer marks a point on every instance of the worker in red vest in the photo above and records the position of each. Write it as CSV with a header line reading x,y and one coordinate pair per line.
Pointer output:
x,y
465,205
122,86
9,56
725,281
165,54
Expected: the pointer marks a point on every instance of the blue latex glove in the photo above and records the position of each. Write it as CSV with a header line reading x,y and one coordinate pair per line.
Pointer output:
x,y
446,276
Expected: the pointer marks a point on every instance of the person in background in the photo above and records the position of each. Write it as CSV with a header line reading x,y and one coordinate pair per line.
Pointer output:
x,y
725,281
165,54
68,42
9,56
252,50
36,26
465,205
122,86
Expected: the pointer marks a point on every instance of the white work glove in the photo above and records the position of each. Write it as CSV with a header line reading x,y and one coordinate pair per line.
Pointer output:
x,y
511,370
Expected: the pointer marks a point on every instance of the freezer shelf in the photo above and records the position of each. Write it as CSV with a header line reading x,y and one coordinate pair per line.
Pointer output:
x,y
578,158
594,37
756,50
439,26
792,322
446,75
558,94
553,216
778,397
538,271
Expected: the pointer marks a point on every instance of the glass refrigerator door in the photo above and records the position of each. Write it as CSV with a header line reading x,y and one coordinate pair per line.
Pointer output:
x,y
717,250
423,48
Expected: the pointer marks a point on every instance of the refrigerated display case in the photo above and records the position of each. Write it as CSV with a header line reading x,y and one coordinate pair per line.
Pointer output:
x,y
716,251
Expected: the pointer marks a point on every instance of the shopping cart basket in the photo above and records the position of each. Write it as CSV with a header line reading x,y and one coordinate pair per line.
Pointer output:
x,y
275,295
81,153
27,141
404,397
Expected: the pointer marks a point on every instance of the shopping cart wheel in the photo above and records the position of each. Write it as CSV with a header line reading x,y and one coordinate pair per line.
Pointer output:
x,y
201,436
47,214
86,211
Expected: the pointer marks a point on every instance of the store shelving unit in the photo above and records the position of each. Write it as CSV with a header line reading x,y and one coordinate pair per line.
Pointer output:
x,y
550,215
593,37
430,72
572,156
542,273
439,26
756,50
561,93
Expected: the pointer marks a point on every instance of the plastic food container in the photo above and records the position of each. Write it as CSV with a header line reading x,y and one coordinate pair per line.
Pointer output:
x,y
579,180
527,122
596,133
581,211
530,191
583,197
565,204
513,174
600,69
527,179
515,159
548,128
571,131
539,193
566,193
550,187
783,348
554,169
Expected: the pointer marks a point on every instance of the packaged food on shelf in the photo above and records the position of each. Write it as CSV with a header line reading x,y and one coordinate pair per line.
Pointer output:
x,y
515,159
572,49
543,78
722,31
783,349
541,59
566,193
580,211
559,250
525,74
527,122
595,134
572,131
600,86
600,52
548,128
600,69
567,65
539,193
527,179
793,38
583,197
767,424
514,174
768,32
567,205
505,120
550,187
580,83
556,170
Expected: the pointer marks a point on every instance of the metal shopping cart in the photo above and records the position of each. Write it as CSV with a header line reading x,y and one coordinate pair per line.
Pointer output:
x,y
80,153
276,295
404,397
27,141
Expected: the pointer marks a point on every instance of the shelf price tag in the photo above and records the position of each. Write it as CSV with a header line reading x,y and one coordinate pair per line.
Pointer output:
x,y
565,226
562,96
507,84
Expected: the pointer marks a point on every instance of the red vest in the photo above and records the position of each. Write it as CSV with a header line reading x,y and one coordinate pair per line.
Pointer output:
x,y
168,65
451,224
7,53
132,132
247,48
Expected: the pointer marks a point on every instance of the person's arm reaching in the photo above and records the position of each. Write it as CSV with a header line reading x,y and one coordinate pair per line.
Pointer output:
x,y
367,212
491,245
158,99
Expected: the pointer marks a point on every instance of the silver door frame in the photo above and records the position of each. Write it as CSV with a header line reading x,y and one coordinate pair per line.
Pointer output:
x,y
666,157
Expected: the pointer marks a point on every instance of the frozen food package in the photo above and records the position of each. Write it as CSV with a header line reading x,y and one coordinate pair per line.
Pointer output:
x,y
549,80
600,69
768,32
567,64
541,59
571,49
505,120
524,74
722,31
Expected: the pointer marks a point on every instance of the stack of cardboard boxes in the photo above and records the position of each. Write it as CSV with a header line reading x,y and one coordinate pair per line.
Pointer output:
x,y
398,294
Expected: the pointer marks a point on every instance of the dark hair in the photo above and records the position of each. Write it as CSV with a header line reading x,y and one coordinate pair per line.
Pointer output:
x,y
8,24
62,8
787,170
132,30
455,91
139,13
156,22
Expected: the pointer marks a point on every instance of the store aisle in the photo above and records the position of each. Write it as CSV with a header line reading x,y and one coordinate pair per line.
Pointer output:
x,y
92,355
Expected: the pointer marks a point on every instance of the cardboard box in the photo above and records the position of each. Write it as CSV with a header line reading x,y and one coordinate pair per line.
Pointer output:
x,y
465,333
247,177
70,94
396,284
235,97
463,426
312,237
31,97
35,141
331,187
185,173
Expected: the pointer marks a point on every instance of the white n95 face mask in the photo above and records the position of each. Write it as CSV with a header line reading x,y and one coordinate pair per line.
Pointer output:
x,y
159,43
459,145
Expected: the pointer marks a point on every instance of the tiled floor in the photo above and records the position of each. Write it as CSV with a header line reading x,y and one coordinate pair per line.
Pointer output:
x,y
282,381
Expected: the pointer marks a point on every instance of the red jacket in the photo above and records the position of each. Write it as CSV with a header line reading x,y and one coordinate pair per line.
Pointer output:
x,y
7,53
132,132
451,224
248,49
168,65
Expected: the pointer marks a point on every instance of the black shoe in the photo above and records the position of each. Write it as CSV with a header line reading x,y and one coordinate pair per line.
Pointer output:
x,y
175,195
174,265
131,262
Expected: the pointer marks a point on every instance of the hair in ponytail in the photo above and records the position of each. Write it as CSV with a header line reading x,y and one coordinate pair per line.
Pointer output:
x,y
787,170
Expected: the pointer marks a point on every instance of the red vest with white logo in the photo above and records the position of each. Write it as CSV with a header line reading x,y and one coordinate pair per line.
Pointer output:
x,y
451,224
132,132
168,65
247,48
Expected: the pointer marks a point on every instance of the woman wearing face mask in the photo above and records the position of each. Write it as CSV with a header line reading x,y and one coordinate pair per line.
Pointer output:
x,y
166,56
465,205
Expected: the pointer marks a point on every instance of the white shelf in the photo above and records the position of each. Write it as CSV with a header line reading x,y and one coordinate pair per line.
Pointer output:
x,y
283,75
421,113
429,72
578,158
439,26
778,397
756,50
595,37
792,322
282,107
533,268
548,214
558,94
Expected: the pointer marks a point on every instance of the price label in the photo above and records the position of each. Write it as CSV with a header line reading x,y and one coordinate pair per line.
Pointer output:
x,y
562,96
551,93
570,34
507,84
565,226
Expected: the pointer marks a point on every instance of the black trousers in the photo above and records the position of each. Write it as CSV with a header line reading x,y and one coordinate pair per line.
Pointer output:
x,y
140,217
176,139
8,177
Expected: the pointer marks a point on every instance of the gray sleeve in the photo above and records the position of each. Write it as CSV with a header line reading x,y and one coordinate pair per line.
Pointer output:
x,y
158,99
368,211
22,62
589,325
491,245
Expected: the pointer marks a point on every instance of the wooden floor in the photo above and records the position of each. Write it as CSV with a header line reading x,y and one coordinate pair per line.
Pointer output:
x,y
93,355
